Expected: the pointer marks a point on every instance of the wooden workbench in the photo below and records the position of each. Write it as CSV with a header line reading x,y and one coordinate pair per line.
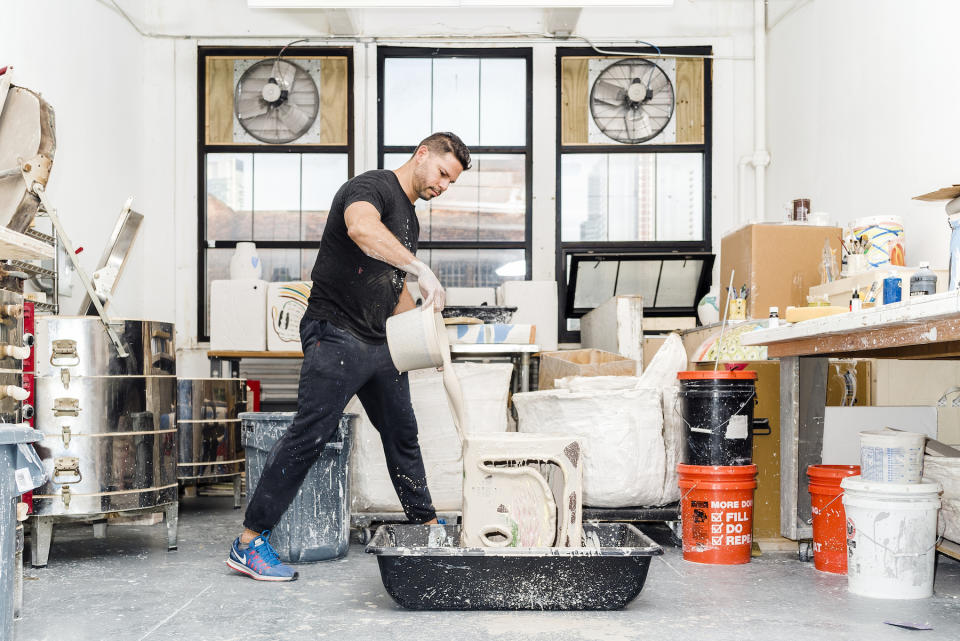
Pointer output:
x,y
923,328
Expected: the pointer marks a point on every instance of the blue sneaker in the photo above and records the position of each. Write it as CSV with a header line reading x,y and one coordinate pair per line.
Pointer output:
x,y
258,560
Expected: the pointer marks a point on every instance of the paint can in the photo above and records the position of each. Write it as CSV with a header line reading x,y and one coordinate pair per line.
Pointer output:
x,y
891,537
716,509
891,290
891,456
829,518
717,412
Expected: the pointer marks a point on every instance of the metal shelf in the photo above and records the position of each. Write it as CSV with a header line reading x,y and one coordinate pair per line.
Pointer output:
x,y
44,238
46,308
30,268
14,245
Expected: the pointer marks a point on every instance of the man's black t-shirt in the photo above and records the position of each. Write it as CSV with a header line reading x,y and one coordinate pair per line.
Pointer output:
x,y
351,290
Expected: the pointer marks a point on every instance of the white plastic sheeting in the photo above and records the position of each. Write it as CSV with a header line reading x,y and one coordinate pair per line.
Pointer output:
x,y
632,435
947,471
485,388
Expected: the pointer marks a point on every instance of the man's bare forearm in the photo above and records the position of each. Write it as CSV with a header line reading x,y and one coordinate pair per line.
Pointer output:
x,y
376,241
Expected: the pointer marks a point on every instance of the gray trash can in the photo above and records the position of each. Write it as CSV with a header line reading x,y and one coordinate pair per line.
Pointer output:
x,y
316,526
21,470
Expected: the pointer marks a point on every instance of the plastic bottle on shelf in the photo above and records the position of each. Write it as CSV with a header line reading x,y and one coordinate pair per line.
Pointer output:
x,y
924,281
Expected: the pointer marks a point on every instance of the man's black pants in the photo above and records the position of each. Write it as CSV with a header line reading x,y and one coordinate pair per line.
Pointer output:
x,y
337,366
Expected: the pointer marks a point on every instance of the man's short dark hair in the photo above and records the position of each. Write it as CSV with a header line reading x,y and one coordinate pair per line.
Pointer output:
x,y
443,142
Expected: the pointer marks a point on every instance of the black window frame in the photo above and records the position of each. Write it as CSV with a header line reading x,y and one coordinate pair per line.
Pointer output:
x,y
203,52
525,53
563,249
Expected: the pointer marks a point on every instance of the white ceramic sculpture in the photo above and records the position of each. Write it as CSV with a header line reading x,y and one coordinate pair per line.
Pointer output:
x,y
245,263
507,499
708,310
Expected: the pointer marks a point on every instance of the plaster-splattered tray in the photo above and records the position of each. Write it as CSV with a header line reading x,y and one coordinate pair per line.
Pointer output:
x,y
423,568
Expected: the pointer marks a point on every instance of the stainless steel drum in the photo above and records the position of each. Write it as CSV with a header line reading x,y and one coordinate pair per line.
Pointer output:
x,y
109,443
79,346
208,428
109,422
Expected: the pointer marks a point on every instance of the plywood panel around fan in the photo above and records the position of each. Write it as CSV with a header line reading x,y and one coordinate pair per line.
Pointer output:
x,y
220,90
689,109
333,101
575,99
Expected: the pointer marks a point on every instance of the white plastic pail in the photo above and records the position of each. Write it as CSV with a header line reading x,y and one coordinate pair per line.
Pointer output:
x,y
416,339
891,456
891,537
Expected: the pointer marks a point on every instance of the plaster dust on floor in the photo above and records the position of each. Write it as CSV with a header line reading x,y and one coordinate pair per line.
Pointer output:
x,y
123,586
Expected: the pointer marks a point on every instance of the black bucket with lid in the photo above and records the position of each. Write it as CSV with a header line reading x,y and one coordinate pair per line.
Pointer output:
x,y
717,411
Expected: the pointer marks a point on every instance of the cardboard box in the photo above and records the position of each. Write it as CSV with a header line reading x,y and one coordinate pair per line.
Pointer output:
x,y
237,315
616,326
582,362
286,304
778,263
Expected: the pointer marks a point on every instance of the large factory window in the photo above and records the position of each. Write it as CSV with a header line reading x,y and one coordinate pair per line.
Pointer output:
x,y
477,234
633,169
268,171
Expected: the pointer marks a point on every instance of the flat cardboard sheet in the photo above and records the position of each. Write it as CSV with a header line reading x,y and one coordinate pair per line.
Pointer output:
x,y
944,193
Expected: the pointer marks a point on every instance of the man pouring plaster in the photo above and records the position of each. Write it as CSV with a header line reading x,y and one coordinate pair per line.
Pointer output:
x,y
366,252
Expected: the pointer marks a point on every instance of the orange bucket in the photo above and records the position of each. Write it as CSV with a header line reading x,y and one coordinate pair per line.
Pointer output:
x,y
717,512
829,518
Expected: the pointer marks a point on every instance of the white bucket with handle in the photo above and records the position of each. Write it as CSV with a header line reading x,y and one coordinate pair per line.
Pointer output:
x,y
417,339
891,456
891,537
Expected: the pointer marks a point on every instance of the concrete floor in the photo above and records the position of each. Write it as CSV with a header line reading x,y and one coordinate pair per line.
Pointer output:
x,y
128,586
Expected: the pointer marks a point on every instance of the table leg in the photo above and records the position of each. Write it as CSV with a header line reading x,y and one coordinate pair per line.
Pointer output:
x,y
803,395
524,372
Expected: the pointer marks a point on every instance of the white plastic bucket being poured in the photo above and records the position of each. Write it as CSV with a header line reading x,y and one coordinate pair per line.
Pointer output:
x,y
417,339
891,537
891,456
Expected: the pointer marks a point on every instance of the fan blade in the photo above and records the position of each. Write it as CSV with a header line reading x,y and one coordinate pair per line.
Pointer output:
x,y
293,118
251,107
257,123
287,74
608,92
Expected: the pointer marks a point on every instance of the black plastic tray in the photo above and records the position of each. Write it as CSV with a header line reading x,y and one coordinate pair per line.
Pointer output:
x,y
485,313
425,569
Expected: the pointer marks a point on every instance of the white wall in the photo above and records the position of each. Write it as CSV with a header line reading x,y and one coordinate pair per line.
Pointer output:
x,y
89,65
862,113
126,106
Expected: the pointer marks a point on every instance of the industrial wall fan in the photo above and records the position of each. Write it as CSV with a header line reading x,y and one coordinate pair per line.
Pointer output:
x,y
632,100
276,101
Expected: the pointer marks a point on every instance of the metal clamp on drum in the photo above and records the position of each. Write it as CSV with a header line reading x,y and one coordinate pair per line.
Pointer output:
x,y
66,406
63,353
67,465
